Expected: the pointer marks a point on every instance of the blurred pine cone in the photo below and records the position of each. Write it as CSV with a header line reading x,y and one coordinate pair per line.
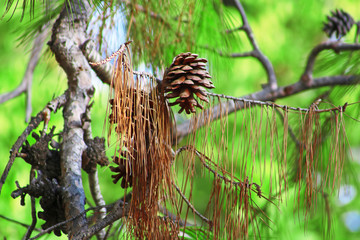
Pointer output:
x,y
185,77
340,23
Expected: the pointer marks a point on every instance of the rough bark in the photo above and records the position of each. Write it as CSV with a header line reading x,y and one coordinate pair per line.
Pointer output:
x,y
69,32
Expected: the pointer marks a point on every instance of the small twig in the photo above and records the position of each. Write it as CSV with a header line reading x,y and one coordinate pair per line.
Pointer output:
x,y
108,59
218,110
17,222
16,92
33,209
245,184
172,216
61,223
230,55
108,232
239,55
191,206
98,199
201,156
120,210
93,175
34,123
233,30
272,104
25,85
104,71
272,82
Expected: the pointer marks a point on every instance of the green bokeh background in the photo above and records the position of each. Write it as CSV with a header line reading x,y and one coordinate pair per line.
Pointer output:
x,y
285,31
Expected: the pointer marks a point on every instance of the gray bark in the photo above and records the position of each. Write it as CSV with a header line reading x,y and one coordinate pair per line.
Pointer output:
x,y
69,32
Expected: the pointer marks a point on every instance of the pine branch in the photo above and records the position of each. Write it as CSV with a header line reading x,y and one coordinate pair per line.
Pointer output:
x,y
103,68
33,209
191,206
173,217
93,175
19,223
69,33
229,107
269,95
103,71
108,59
223,177
119,210
250,102
25,85
256,52
337,47
16,92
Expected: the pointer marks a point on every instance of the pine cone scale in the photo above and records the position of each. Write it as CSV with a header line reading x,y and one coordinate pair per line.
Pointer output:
x,y
189,82
178,81
189,59
194,77
185,93
186,68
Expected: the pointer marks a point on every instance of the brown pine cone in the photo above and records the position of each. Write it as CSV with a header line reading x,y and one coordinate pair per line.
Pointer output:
x,y
122,170
186,77
340,23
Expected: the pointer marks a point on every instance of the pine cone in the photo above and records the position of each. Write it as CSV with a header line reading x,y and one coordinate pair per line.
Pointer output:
x,y
123,170
339,22
185,77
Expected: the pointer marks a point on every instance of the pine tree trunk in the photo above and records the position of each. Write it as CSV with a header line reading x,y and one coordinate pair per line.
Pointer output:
x,y
69,32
